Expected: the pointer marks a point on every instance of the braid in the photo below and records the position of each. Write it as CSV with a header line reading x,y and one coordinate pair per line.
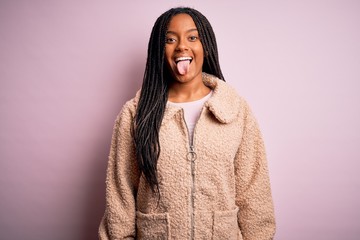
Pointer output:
x,y
207,37
154,90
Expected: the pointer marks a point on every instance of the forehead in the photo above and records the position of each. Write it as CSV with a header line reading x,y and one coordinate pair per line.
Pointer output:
x,y
181,22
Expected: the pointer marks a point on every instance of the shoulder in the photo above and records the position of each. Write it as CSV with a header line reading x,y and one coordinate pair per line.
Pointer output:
x,y
128,110
224,90
226,104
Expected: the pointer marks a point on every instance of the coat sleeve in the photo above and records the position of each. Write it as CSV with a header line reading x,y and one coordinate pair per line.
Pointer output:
x,y
122,180
253,194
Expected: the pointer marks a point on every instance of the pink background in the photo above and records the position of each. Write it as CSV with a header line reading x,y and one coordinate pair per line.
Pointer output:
x,y
67,67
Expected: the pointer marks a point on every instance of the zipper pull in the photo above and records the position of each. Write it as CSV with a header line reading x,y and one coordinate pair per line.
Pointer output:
x,y
191,155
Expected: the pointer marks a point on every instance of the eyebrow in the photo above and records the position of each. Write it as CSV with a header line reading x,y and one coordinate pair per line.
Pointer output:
x,y
190,30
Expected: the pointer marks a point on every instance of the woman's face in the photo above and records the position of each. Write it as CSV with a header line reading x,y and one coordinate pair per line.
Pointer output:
x,y
184,52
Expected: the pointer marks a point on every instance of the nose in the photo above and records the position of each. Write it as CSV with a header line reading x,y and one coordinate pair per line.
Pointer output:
x,y
182,46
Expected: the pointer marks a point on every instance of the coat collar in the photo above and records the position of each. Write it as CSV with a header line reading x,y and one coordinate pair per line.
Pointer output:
x,y
224,103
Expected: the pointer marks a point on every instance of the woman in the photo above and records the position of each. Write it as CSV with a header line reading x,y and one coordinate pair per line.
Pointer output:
x,y
187,160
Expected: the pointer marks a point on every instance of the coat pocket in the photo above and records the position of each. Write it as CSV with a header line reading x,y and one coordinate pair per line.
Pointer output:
x,y
152,226
226,225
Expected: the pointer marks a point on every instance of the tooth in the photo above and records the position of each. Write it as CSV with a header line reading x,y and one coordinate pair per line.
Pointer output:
x,y
183,58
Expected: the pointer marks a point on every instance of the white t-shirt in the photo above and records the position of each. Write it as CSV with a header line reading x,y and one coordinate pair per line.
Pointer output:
x,y
192,111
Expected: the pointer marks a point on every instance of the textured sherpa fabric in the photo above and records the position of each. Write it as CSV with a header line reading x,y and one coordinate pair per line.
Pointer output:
x,y
223,193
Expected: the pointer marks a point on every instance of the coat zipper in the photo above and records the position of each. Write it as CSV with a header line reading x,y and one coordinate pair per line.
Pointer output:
x,y
191,156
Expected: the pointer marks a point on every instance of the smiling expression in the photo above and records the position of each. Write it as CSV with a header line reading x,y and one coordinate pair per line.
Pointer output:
x,y
184,52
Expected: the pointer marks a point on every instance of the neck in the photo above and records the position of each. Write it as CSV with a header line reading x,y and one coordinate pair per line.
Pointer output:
x,y
187,92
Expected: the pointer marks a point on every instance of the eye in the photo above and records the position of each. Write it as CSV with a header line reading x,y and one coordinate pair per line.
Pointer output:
x,y
193,38
170,40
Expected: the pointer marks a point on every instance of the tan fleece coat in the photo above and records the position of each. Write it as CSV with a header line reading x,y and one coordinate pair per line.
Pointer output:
x,y
221,191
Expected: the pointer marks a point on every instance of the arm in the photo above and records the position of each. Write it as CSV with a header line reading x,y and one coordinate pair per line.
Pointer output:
x,y
253,194
122,178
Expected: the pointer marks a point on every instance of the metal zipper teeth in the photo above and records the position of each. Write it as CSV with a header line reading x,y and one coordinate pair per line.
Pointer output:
x,y
193,156
190,154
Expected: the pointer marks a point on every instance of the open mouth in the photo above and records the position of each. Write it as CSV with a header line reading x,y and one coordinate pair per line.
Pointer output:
x,y
183,64
179,59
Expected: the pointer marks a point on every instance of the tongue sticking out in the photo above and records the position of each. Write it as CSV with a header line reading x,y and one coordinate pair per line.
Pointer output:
x,y
183,66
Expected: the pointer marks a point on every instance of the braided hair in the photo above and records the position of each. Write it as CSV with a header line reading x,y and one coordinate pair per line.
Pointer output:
x,y
154,90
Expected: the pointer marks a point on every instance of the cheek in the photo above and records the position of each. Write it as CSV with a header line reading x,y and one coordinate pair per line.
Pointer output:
x,y
168,54
199,52
168,59
200,56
